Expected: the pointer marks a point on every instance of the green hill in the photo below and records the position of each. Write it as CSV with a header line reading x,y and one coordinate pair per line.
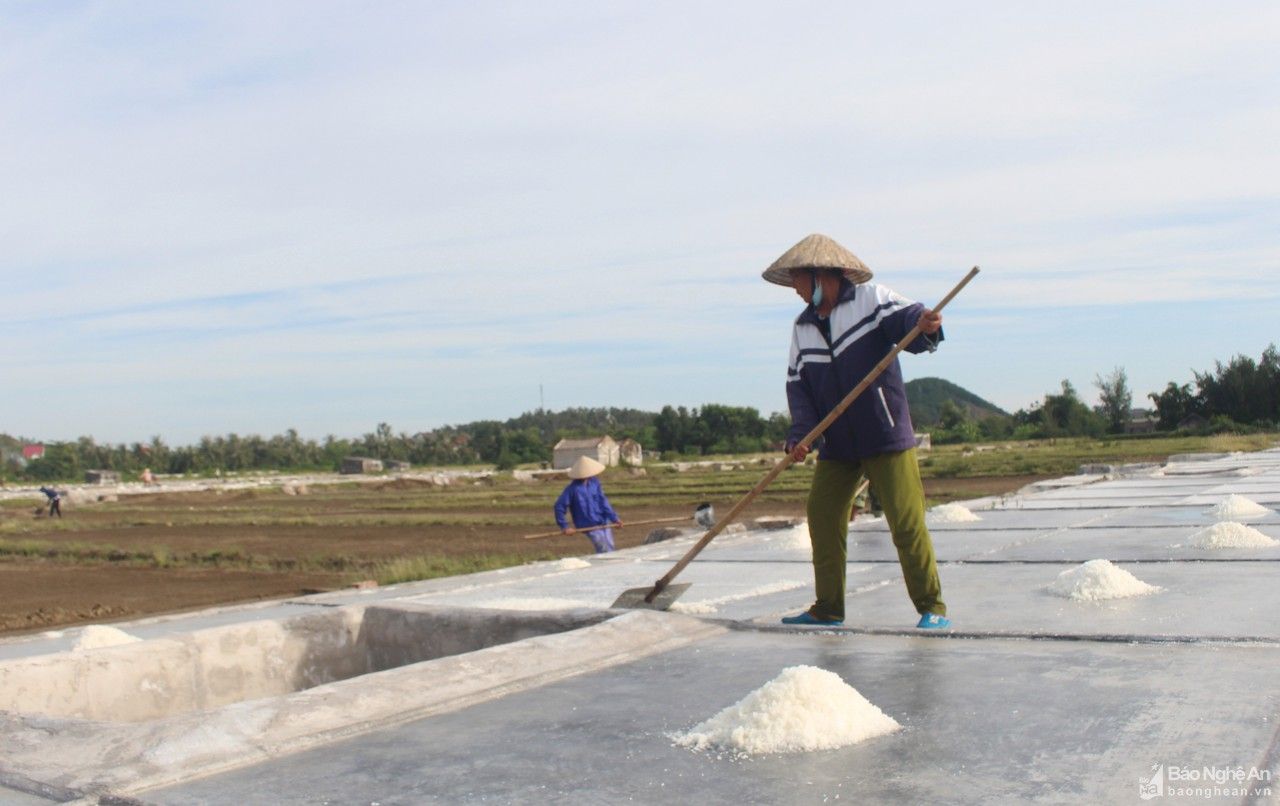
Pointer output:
x,y
925,396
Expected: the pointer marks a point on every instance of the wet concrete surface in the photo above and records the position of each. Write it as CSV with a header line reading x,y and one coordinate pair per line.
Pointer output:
x,y
1217,601
983,721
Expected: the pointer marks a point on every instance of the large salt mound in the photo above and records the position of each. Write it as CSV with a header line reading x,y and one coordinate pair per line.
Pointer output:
x,y
951,513
1098,580
1237,506
803,708
96,636
1231,535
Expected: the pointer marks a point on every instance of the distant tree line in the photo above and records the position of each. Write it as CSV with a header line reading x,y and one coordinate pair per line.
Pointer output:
x,y
717,429
1241,391
1241,395
528,438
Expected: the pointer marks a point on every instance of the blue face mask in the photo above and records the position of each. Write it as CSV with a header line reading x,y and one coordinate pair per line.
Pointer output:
x,y
817,291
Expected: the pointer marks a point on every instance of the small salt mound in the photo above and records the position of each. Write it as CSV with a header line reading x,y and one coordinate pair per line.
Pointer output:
x,y
951,513
797,537
1231,535
1098,580
1237,506
804,708
572,564
96,636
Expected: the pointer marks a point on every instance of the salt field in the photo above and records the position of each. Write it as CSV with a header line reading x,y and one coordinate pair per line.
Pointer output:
x,y
1108,629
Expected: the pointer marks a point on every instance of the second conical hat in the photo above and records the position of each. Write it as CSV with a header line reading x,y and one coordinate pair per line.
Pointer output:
x,y
585,467
817,252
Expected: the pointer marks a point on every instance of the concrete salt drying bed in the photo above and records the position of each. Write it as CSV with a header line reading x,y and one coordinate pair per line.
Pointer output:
x,y
1031,697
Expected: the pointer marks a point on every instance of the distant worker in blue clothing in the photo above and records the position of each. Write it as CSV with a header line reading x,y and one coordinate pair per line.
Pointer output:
x,y
55,501
584,499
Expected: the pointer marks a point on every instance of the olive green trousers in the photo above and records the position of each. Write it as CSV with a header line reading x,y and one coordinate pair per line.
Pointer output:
x,y
895,477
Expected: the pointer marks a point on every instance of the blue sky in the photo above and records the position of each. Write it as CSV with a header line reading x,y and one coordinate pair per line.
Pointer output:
x,y
248,217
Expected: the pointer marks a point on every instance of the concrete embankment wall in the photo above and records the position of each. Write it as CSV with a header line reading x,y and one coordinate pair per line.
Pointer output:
x,y
210,668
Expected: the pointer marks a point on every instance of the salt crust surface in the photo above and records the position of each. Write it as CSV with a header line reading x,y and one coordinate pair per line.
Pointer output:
x,y
951,513
1099,580
96,636
1231,535
535,603
1237,506
707,606
704,607
804,708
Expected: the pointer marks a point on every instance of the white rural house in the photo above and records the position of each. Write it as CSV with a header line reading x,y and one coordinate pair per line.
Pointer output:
x,y
603,449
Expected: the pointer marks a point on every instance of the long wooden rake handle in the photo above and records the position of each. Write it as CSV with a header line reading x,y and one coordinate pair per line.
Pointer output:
x,y
808,440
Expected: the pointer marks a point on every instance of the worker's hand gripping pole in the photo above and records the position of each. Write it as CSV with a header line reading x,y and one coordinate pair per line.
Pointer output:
x,y
808,441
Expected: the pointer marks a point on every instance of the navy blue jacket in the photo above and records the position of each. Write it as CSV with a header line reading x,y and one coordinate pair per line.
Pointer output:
x,y
586,502
827,362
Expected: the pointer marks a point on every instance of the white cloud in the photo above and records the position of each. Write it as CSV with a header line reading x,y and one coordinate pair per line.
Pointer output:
x,y
238,192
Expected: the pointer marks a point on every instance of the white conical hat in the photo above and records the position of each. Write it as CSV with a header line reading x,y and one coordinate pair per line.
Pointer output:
x,y
585,467
817,252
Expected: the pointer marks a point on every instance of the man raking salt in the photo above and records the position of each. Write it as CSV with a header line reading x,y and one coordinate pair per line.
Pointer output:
x,y
848,325
813,256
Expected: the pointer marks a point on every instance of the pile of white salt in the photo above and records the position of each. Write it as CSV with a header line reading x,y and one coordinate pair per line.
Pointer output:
x,y
96,636
1099,580
572,564
804,708
951,513
797,537
1234,507
1231,535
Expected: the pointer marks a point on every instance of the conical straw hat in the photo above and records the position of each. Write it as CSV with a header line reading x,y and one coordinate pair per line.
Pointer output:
x,y
585,467
817,252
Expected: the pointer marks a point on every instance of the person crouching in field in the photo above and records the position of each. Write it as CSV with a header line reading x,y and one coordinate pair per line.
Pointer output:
x,y
585,501
847,327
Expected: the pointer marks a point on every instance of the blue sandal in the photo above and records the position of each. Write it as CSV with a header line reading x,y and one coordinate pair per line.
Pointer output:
x,y
932,621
